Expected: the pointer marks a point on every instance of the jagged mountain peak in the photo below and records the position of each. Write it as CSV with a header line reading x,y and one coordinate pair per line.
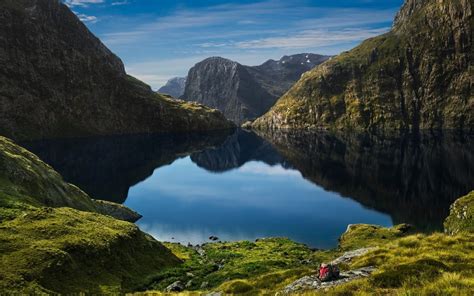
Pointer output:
x,y
245,92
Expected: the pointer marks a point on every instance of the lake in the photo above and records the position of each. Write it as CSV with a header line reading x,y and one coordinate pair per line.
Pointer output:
x,y
237,185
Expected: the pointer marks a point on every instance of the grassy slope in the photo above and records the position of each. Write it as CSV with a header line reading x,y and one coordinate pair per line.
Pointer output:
x,y
46,245
407,263
66,250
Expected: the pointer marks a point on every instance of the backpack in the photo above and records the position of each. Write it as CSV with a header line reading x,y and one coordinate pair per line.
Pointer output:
x,y
329,273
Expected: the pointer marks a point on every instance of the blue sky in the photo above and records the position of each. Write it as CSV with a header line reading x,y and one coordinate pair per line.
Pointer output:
x,y
160,39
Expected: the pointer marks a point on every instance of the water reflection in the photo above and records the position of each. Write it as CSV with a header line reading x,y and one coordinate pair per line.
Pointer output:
x,y
414,178
256,200
106,167
241,185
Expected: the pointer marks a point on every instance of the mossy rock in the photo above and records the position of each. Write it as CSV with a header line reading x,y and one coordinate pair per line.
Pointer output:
x,y
461,217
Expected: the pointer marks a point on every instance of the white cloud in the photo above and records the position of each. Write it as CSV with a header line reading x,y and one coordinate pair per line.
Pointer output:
x,y
259,168
83,3
247,33
312,38
118,3
87,18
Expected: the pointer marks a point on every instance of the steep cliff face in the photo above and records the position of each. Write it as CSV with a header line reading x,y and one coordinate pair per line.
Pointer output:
x,y
244,92
417,76
174,87
58,80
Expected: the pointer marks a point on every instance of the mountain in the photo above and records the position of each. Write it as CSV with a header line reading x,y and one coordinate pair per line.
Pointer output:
x,y
243,92
174,87
417,76
58,80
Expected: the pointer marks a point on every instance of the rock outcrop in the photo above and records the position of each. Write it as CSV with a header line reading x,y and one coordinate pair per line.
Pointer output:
x,y
461,217
312,282
174,87
244,92
58,80
417,76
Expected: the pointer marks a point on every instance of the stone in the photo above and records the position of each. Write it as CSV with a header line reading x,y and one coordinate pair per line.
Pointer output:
x,y
348,256
204,285
312,282
189,284
175,287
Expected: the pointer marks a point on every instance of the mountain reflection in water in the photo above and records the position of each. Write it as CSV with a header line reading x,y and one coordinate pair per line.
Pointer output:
x,y
241,185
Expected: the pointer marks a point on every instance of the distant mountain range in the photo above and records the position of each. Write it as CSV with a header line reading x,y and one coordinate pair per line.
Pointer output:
x,y
174,87
245,92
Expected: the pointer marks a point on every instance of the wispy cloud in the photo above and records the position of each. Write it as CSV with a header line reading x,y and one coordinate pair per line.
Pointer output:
x,y
119,3
171,42
87,18
260,17
312,38
83,3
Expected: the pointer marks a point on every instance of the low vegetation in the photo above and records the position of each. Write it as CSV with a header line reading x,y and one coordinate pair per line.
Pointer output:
x,y
406,262
53,238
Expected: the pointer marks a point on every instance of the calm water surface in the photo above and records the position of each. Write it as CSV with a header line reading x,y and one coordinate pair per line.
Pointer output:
x,y
242,186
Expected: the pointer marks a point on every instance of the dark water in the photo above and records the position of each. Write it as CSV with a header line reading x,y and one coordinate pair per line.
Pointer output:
x,y
239,185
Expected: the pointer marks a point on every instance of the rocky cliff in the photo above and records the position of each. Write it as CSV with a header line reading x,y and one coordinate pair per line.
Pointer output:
x,y
417,76
244,92
174,87
58,80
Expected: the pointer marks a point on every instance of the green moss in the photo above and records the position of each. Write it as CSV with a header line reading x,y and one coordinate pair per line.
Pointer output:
x,y
46,246
364,235
237,287
263,262
461,217
31,181
70,251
